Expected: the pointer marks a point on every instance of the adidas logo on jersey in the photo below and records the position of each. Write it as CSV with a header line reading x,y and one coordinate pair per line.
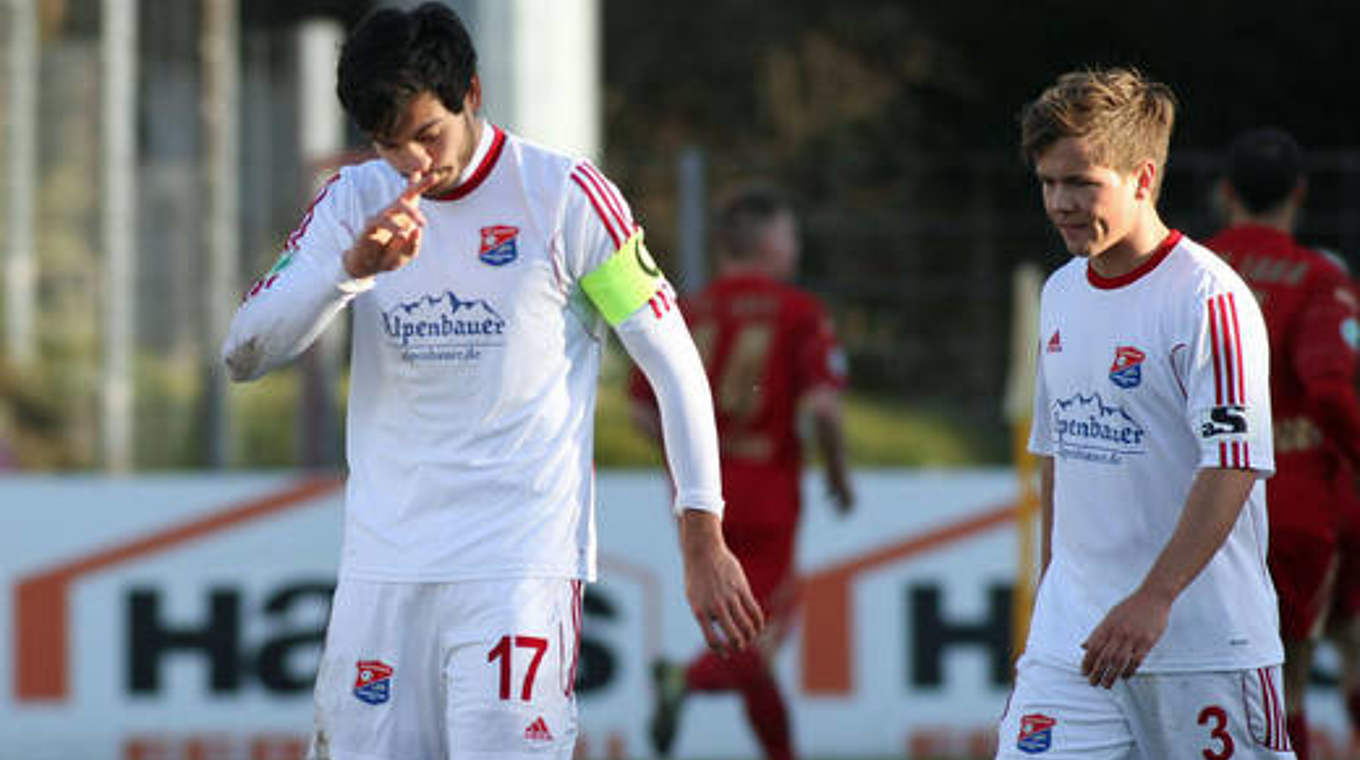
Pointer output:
x,y
538,731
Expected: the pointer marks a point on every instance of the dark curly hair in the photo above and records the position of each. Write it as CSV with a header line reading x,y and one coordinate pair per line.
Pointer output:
x,y
394,55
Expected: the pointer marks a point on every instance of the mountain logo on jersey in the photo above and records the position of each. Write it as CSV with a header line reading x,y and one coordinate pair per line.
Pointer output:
x,y
498,245
1036,733
374,682
1087,428
1127,369
444,327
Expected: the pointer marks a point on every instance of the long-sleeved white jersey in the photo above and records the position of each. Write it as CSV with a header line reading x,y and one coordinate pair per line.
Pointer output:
x,y
1142,381
474,367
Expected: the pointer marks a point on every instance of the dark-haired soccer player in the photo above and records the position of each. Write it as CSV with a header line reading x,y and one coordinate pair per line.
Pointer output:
x,y
1310,313
483,272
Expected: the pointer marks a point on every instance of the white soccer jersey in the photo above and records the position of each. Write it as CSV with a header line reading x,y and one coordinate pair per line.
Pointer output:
x,y
1143,380
474,367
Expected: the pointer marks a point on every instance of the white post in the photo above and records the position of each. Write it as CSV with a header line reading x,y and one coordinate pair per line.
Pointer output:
x,y
321,135
557,70
20,268
119,106
220,51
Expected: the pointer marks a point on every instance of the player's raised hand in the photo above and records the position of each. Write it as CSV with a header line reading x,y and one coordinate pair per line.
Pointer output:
x,y
719,596
392,238
1117,646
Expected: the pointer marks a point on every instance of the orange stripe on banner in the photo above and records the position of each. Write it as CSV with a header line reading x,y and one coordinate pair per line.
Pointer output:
x,y
827,619
40,606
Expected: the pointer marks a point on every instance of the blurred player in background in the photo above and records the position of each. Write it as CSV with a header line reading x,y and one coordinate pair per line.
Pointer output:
x,y
1155,632
1343,621
483,272
770,354
1310,313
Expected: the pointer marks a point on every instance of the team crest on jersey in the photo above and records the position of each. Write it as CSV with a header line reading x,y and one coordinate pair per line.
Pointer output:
x,y
1089,429
1036,733
1054,343
499,245
1127,369
444,327
374,681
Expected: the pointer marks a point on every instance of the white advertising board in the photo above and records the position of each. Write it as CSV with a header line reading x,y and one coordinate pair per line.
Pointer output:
x,y
180,618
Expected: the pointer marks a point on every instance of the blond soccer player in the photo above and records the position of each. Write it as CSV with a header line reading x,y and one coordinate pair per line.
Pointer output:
x,y
1155,628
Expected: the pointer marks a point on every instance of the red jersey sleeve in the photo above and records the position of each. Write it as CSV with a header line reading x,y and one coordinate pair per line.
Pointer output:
x,y
818,358
1326,342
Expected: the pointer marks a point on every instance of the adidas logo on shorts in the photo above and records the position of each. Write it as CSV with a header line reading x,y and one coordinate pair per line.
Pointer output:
x,y
538,731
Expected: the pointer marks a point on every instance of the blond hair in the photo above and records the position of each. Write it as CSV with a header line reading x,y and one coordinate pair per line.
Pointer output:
x,y
1123,117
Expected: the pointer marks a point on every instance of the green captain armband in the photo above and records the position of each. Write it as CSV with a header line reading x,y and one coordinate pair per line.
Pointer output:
x,y
624,282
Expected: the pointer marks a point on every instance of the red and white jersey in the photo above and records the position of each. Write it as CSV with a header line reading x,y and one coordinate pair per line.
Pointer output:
x,y
474,367
1142,381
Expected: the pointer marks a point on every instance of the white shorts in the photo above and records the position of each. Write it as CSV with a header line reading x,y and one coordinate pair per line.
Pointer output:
x,y
449,671
1055,712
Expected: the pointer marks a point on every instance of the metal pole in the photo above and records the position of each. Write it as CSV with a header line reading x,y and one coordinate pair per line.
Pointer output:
x,y
690,234
119,63
220,51
321,134
20,267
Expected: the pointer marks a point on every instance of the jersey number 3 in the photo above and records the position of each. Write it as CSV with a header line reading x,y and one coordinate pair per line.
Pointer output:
x,y
1217,720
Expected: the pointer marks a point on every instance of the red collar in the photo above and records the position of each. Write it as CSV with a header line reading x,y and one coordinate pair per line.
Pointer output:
x,y
1109,283
483,169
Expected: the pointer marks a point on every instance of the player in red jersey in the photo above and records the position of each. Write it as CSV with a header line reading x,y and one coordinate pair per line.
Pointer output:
x,y
769,352
1310,312
1343,621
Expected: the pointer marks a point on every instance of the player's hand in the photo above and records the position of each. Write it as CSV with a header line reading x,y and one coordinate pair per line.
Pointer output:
x,y
716,586
392,238
1119,643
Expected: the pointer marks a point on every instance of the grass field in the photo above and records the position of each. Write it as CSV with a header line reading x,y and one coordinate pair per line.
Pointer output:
x,y
880,432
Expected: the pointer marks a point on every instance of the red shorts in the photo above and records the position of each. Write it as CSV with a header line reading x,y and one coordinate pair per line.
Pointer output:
x,y
1346,595
1303,566
766,554
1302,498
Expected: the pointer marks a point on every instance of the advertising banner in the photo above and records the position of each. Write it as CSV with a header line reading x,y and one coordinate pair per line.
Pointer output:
x,y
181,618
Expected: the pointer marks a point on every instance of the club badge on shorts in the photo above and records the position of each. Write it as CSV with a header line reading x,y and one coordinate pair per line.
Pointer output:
x,y
1036,733
374,682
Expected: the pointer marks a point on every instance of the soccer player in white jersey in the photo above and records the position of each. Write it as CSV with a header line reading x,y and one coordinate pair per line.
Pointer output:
x,y
483,273
1155,630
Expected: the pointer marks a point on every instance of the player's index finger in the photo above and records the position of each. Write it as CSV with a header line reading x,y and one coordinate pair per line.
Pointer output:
x,y
420,184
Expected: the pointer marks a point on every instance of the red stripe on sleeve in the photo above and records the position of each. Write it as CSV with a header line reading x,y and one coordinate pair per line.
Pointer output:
x,y
1222,454
611,198
1229,359
1237,351
599,210
1217,353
